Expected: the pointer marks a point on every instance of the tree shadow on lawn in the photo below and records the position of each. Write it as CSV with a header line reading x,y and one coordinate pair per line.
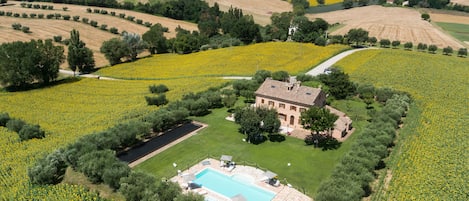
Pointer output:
x,y
326,142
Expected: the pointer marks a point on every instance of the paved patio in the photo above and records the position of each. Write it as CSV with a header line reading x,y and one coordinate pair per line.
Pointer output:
x,y
283,192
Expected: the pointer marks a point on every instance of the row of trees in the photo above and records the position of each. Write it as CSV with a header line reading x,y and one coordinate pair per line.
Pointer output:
x,y
360,36
25,131
356,169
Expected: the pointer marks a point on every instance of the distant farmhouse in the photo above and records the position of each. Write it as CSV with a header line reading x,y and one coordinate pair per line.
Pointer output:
x,y
290,99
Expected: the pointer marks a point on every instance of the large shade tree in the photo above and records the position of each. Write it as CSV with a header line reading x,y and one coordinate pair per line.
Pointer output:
x,y
318,119
155,39
22,63
79,56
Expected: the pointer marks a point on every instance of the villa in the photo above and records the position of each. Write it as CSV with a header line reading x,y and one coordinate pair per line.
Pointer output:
x,y
290,99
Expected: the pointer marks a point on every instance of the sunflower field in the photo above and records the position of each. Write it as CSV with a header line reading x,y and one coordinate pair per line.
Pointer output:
x,y
67,112
243,60
431,163
326,2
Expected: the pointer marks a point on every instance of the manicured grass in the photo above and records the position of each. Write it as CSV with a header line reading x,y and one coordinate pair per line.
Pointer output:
x,y
309,166
459,31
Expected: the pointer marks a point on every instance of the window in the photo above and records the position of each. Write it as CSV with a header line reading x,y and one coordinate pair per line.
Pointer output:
x,y
302,109
271,103
293,108
281,105
282,116
262,101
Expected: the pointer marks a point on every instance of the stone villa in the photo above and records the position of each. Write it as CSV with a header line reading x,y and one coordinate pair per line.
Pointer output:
x,y
290,99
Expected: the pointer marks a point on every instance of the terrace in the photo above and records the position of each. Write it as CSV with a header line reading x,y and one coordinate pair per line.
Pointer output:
x,y
282,192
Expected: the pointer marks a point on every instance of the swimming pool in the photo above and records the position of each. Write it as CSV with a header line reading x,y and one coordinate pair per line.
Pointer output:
x,y
231,186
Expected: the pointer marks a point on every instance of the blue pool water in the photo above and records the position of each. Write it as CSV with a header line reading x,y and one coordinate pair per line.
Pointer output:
x,y
231,186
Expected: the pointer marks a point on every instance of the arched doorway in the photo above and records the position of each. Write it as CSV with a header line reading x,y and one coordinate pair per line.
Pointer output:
x,y
292,120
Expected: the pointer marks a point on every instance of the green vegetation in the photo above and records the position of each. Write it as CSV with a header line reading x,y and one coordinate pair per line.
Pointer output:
x,y
459,31
244,60
438,84
222,137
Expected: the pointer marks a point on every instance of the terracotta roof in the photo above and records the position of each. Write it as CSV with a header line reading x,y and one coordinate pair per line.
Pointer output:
x,y
288,92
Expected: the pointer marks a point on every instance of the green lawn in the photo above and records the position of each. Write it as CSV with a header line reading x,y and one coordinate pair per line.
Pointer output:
x,y
308,168
459,31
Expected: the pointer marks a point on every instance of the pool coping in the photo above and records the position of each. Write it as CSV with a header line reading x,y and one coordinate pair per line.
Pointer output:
x,y
282,192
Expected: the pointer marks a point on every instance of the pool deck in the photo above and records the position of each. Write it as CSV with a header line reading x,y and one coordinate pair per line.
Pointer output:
x,y
282,192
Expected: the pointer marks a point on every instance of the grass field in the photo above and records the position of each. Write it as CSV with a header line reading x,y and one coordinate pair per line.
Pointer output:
x,y
459,31
308,168
431,163
68,111
243,60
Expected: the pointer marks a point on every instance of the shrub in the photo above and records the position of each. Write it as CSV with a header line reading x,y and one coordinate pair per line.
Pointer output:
x,y
408,45
15,125
66,17
24,15
395,43
40,15
122,15
96,10
85,20
157,89
25,29
2,13
16,15
16,26
76,18
29,131
103,27
432,48
29,5
130,18
32,15
447,50
93,164
157,100
425,16
104,12
58,38
114,30
36,6
421,47
384,43
139,21
49,170
88,10
113,13
64,8
50,7
4,118
462,52
94,23
147,24
57,15
9,13
44,7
